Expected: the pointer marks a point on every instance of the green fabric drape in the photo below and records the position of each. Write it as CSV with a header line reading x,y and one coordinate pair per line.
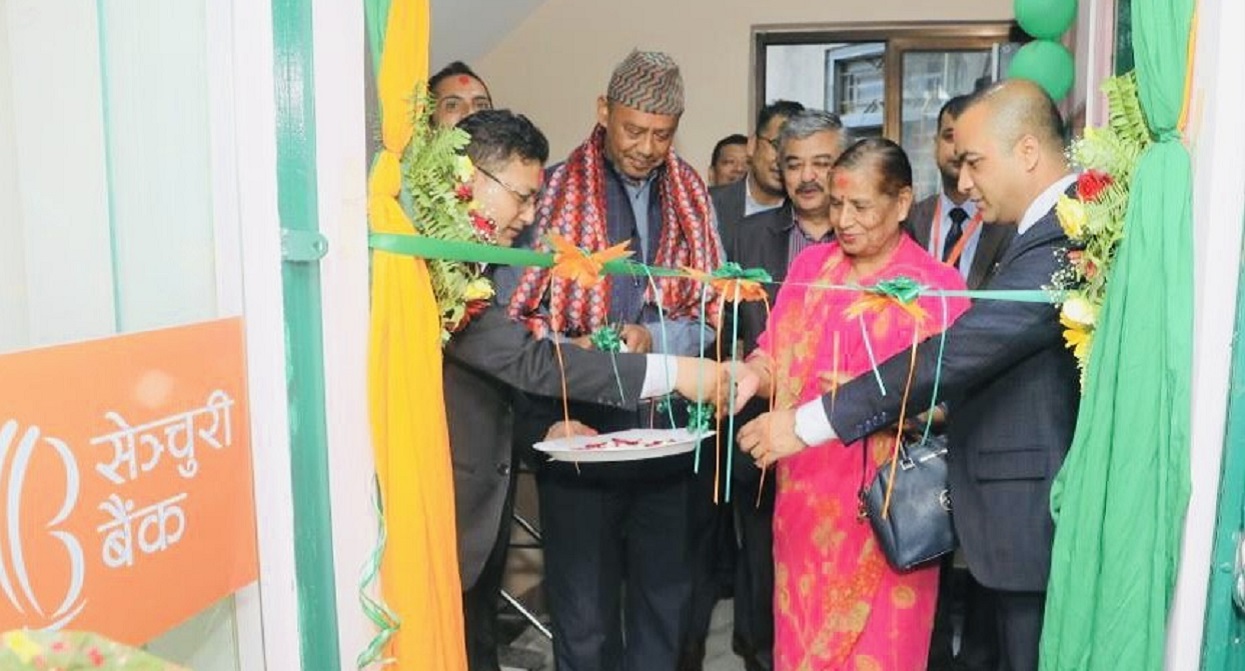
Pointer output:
x,y
1121,497
375,17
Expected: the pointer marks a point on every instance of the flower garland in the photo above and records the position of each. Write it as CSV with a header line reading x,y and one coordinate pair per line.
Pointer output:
x,y
1094,219
437,194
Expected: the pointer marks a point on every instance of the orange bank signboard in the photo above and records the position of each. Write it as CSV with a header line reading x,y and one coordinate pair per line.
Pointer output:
x,y
126,503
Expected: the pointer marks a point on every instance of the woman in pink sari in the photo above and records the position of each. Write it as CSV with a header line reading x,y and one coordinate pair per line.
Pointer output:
x,y
838,605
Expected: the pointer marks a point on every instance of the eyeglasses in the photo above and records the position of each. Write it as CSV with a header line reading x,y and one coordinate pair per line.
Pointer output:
x,y
524,199
772,141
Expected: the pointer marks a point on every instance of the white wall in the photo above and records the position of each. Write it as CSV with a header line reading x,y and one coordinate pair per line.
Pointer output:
x,y
1217,140
555,64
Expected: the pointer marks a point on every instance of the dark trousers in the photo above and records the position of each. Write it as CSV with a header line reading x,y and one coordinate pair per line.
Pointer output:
x,y
979,647
1019,627
711,532
598,536
480,601
754,575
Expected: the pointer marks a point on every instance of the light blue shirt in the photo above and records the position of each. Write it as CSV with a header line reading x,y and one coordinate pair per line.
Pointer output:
x,y
681,337
944,227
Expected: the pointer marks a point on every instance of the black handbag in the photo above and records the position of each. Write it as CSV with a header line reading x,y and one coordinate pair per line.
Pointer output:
x,y
917,528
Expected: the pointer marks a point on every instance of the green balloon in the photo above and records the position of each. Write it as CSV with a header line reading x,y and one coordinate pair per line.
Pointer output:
x,y
1048,64
1045,19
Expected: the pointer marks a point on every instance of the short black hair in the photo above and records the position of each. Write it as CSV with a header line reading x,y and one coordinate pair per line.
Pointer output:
x,y
452,70
953,108
498,136
734,138
782,108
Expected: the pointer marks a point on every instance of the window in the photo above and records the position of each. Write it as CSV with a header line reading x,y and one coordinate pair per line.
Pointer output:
x,y
887,80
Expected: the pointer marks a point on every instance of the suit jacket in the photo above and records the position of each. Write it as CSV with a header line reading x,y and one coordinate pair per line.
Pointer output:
x,y
1012,389
994,239
485,364
728,204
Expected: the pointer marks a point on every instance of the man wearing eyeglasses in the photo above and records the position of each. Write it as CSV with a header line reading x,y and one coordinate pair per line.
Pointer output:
x,y
492,359
762,188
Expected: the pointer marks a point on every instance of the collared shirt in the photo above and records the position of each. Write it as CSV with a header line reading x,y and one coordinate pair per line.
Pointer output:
x,y
1044,203
799,239
752,205
638,194
943,228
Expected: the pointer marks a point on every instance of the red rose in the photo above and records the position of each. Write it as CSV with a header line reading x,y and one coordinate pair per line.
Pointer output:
x,y
483,225
463,192
1091,184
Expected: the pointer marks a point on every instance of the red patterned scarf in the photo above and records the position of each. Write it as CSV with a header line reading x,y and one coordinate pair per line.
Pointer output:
x,y
573,206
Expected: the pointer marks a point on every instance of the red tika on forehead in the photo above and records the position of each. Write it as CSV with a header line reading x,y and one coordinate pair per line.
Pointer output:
x,y
841,180
464,80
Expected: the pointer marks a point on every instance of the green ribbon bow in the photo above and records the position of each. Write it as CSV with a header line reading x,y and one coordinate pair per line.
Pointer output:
x,y
700,417
733,271
902,289
606,339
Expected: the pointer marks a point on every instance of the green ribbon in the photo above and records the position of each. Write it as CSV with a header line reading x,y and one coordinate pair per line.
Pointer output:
x,y
608,339
474,252
700,417
376,610
903,289
733,271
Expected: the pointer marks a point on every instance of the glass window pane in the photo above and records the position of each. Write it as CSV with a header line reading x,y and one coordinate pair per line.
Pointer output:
x,y
931,78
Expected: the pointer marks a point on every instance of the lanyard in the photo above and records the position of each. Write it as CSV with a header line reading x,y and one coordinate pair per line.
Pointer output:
x,y
958,249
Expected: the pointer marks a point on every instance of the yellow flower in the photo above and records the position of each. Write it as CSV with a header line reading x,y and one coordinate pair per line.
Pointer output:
x,y
1072,216
22,645
1077,337
464,170
479,289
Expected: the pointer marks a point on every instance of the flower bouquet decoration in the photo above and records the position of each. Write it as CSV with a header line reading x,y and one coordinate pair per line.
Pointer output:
x,y
437,195
1094,219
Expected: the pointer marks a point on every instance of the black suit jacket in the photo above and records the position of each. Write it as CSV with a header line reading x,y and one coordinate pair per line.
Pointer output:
x,y
485,364
994,239
728,204
1012,389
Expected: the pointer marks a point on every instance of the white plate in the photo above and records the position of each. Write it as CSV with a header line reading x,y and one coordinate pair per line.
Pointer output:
x,y
615,446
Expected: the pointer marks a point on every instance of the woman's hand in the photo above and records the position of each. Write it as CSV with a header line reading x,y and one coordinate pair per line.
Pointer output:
x,y
568,429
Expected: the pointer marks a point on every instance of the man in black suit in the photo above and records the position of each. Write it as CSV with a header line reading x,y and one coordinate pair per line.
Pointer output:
x,y
493,357
949,226
762,189
1011,384
808,143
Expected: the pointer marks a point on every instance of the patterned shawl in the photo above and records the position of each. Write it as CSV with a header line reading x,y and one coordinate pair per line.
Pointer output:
x,y
573,206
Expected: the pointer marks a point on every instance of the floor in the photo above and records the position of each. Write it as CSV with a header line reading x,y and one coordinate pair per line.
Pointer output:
x,y
532,651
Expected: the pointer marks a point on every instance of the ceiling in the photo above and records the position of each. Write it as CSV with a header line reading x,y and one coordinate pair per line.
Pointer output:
x,y
465,30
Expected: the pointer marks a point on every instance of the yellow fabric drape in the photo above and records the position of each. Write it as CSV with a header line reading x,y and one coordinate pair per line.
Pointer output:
x,y
419,572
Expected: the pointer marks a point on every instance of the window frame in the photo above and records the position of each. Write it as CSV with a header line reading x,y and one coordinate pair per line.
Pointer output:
x,y
899,37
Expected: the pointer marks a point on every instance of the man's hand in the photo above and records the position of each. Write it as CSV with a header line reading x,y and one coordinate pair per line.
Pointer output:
x,y
637,338
771,437
568,429
708,381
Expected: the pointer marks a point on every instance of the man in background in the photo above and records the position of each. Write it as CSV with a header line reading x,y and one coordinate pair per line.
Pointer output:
x,y
457,92
762,189
729,163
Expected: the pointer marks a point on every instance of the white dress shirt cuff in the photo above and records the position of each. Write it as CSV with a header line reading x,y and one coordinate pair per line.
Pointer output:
x,y
660,372
812,425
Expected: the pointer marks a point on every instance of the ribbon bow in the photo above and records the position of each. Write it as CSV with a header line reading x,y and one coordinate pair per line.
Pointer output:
x,y
732,281
606,339
583,267
900,291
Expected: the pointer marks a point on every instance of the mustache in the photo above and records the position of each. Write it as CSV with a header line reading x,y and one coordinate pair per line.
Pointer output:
x,y
807,187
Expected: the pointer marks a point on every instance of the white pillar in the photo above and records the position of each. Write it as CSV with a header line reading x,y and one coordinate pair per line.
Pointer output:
x,y
1217,140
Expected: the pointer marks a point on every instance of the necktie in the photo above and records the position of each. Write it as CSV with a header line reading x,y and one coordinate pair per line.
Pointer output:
x,y
958,216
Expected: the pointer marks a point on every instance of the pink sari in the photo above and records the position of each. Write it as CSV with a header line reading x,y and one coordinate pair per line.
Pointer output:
x,y
837,604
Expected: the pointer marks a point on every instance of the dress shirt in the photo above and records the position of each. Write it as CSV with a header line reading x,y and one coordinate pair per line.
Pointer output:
x,y
943,227
1043,203
659,374
799,240
752,205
